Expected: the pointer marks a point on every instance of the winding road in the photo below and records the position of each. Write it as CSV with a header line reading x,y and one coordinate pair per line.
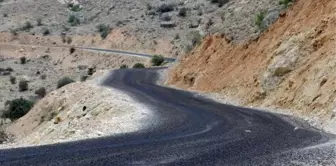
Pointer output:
x,y
190,130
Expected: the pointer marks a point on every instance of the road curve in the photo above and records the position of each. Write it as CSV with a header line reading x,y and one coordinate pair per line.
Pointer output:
x,y
191,131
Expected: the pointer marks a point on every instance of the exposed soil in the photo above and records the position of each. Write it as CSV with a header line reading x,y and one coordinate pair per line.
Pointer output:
x,y
290,66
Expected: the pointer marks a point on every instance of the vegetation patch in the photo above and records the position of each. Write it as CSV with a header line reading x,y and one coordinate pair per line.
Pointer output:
x,y
64,81
157,60
17,108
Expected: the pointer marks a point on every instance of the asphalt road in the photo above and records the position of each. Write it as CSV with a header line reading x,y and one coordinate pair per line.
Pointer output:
x,y
191,131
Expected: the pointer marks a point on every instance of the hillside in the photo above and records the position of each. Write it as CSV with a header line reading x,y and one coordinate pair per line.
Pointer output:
x,y
290,67
154,26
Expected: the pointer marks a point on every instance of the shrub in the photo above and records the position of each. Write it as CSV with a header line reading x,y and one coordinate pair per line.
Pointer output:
x,y
259,19
12,79
195,37
23,60
23,85
17,108
45,31
72,50
84,78
182,12
138,65
165,17
157,60
3,136
27,26
73,20
14,32
74,8
64,81
69,40
123,66
43,77
220,2
5,15
104,30
41,92
39,22
91,71
163,8
285,2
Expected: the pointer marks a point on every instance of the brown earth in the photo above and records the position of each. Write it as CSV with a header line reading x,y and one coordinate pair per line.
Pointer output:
x,y
290,66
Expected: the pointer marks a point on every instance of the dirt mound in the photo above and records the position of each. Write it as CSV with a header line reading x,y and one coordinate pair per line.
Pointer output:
x,y
290,66
79,111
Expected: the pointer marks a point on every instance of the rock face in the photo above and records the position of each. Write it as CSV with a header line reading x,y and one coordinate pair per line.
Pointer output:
x,y
291,66
285,58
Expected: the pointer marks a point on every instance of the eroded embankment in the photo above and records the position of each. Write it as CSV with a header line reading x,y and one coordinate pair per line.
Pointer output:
x,y
290,66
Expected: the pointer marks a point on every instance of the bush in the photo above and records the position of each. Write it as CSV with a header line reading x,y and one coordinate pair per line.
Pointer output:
x,y
104,30
84,78
91,71
123,66
17,108
163,8
23,85
64,81
27,26
259,19
69,40
138,65
23,60
157,60
43,77
41,92
45,31
39,22
220,2
285,2
73,20
74,8
12,79
72,50
182,12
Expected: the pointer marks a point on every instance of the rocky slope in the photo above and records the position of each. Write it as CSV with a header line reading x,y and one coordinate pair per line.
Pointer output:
x,y
79,111
164,27
290,66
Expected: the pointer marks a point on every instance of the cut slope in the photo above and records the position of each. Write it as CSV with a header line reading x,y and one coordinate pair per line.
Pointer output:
x,y
292,65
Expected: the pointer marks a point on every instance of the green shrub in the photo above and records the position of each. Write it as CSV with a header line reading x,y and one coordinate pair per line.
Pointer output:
x,y
23,60
45,31
41,92
12,79
259,19
64,81
72,50
73,20
123,66
157,60
182,12
138,65
74,8
285,2
27,26
163,8
39,22
17,108
23,85
104,30
220,2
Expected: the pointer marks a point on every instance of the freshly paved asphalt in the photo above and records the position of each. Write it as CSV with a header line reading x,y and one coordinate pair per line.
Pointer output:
x,y
188,130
